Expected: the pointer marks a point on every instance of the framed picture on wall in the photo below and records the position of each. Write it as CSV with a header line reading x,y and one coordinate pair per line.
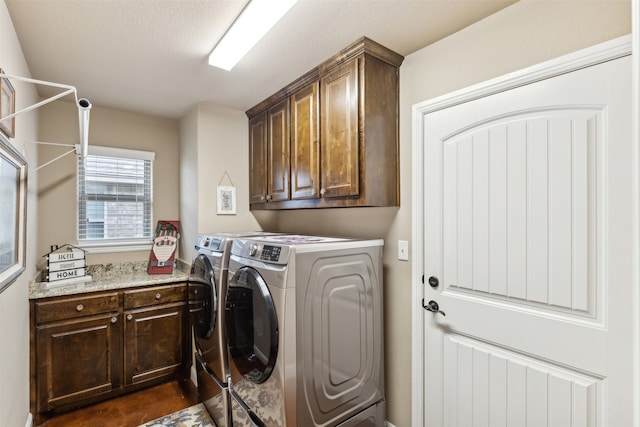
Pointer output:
x,y
226,200
13,206
7,107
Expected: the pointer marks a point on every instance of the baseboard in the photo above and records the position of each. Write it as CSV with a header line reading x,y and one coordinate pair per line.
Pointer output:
x,y
388,424
29,420
194,375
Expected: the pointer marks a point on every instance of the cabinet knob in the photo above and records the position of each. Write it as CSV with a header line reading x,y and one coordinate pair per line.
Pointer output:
x,y
322,191
313,192
269,197
79,307
114,319
158,296
129,316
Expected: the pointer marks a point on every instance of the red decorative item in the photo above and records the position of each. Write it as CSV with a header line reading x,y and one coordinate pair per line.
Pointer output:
x,y
161,260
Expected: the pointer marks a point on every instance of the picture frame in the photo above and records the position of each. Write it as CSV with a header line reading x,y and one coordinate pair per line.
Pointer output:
x,y
226,200
13,210
7,106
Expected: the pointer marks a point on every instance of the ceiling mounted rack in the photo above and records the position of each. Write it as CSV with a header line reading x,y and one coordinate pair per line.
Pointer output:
x,y
83,104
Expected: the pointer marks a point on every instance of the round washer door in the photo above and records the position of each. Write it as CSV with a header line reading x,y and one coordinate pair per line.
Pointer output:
x,y
203,298
252,325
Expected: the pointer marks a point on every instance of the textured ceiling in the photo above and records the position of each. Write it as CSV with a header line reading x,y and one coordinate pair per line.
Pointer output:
x,y
150,56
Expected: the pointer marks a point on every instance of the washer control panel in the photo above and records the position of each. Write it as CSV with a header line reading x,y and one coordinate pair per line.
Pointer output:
x,y
261,251
270,253
257,250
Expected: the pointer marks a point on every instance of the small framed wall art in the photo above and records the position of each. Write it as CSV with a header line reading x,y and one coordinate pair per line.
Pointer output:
x,y
226,200
7,106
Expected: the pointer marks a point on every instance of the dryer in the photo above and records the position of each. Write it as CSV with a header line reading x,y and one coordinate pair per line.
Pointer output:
x,y
304,321
207,290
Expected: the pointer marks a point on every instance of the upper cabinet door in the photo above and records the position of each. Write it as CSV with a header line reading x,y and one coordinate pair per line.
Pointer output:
x,y
339,131
305,153
278,155
258,159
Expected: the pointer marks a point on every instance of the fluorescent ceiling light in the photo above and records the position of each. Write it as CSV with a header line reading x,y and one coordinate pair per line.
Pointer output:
x,y
253,23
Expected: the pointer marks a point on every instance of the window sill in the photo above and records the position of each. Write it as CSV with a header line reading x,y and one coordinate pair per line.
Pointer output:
x,y
103,248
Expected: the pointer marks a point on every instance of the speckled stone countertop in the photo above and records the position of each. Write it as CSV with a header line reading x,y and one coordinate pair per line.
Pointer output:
x,y
105,277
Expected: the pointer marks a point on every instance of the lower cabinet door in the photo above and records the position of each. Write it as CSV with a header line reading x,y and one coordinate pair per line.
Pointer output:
x,y
77,359
154,344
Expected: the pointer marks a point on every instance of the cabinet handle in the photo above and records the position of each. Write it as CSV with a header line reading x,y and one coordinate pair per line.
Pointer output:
x,y
322,191
269,197
129,316
114,319
158,296
79,307
313,192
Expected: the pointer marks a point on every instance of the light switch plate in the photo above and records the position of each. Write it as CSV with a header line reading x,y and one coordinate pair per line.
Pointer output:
x,y
403,250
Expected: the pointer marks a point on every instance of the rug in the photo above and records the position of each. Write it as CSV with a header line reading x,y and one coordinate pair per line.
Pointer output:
x,y
193,416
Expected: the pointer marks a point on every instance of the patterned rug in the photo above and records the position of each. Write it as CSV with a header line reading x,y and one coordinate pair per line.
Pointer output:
x,y
194,416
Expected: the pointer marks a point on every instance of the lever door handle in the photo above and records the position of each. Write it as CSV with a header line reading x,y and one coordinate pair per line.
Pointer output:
x,y
433,307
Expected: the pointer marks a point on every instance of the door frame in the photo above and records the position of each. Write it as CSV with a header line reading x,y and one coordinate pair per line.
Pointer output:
x,y
603,52
635,134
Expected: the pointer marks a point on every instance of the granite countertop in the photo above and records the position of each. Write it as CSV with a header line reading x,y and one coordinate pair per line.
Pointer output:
x,y
105,277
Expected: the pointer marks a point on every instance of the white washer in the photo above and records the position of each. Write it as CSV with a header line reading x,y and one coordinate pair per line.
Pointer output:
x,y
304,322
207,292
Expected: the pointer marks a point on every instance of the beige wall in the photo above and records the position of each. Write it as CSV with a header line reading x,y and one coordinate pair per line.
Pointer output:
x,y
188,182
214,142
524,34
109,128
14,303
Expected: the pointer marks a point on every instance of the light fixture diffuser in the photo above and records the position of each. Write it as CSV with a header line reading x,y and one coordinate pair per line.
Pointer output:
x,y
253,23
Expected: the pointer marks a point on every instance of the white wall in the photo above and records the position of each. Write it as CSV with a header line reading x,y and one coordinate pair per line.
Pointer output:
x,y
14,303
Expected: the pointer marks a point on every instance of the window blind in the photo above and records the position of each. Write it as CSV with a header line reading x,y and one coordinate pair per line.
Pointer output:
x,y
115,196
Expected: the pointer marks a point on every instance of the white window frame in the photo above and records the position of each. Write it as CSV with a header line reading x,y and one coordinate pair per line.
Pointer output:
x,y
116,245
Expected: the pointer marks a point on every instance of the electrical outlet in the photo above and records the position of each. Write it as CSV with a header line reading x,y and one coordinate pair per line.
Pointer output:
x,y
403,250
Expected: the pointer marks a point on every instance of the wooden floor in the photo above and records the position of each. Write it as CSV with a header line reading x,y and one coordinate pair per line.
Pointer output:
x,y
133,409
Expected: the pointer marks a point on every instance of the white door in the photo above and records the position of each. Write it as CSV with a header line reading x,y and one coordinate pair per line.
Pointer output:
x,y
528,228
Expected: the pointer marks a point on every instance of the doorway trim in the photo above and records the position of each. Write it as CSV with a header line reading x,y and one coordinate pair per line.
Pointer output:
x,y
599,53
635,134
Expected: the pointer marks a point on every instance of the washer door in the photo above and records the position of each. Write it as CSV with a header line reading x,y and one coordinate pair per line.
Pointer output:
x,y
252,325
203,303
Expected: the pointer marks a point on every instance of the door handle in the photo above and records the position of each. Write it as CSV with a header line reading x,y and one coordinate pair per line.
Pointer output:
x,y
433,307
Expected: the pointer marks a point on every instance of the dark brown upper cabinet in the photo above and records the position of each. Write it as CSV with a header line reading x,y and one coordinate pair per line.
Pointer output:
x,y
330,138
305,151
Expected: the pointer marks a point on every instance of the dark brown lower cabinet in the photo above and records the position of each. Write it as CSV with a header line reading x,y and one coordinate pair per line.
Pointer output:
x,y
91,347
77,359
154,343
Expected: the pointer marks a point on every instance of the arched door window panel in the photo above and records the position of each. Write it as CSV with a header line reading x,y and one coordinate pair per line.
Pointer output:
x,y
203,298
252,325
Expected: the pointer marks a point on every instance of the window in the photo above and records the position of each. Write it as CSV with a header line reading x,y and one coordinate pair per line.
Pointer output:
x,y
115,197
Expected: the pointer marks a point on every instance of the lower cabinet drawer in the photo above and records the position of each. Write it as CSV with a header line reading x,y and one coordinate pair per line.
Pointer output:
x,y
70,308
154,295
